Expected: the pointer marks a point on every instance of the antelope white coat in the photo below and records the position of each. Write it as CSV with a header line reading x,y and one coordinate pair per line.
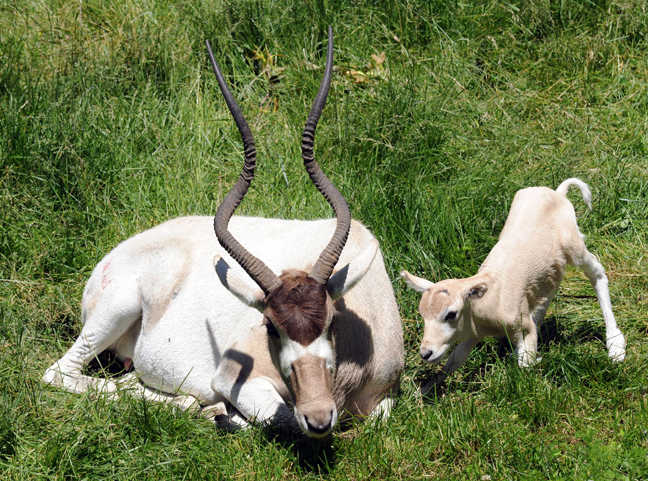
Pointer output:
x,y
158,300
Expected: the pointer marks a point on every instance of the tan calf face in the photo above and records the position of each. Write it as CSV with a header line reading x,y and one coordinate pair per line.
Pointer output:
x,y
445,307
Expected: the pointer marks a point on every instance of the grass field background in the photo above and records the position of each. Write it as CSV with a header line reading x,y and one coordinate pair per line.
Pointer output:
x,y
111,122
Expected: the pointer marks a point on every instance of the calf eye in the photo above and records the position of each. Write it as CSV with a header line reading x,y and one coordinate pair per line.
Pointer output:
x,y
451,316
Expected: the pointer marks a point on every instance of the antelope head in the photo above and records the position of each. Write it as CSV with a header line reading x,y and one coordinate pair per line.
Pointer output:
x,y
297,306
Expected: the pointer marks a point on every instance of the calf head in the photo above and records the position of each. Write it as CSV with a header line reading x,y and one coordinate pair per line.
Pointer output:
x,y
297,306
445,307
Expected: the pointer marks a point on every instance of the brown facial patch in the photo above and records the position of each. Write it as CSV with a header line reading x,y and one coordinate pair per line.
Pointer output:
x,y
299,307
434,302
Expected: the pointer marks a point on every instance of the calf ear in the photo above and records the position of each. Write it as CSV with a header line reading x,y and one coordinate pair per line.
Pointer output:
x,y
417,283
476,291
347,277
239,283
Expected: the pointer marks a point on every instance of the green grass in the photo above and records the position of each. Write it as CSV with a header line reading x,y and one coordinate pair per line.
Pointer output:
x,y
111,122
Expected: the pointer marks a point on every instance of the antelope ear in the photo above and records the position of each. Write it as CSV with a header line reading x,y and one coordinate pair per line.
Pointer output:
x,y
417,283
240,284
347,277
476,291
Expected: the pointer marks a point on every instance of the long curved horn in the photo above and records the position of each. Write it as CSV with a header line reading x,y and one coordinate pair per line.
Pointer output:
x,y
256,269
328,258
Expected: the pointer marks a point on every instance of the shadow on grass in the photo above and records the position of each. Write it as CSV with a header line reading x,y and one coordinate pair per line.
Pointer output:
x,y
561,368
107,365
313,455
552,333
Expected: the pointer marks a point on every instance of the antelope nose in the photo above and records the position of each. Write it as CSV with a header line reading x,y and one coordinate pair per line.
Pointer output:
x,y
319,426
426,354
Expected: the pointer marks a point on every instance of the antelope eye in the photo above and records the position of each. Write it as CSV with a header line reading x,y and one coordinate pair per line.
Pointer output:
x,y
451,316
272,330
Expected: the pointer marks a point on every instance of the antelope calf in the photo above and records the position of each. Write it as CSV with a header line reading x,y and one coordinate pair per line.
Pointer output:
x,y
306,335
513,288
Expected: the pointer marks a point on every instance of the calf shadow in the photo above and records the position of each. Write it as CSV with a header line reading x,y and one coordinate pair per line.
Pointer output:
x,y
551,333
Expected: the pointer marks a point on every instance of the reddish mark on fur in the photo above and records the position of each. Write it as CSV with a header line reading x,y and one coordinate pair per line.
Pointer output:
x,y
105,279
128,364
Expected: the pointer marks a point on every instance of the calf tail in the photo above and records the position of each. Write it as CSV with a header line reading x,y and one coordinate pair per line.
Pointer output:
x,y
587,195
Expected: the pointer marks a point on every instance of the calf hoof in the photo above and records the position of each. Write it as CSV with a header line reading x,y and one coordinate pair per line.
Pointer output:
x,y
616,347
528,359
433,387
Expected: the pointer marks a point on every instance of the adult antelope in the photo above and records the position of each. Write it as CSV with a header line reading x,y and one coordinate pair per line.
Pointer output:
x,y
196,322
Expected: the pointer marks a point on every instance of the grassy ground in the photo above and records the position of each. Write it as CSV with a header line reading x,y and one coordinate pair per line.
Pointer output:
x,y
111,122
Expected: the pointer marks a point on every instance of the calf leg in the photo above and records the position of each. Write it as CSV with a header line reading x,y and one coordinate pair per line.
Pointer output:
x,y
455,361
594,271
526,347
459,356
541,312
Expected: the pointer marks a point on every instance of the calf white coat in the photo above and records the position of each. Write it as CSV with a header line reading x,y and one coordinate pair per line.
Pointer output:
x,y
513,288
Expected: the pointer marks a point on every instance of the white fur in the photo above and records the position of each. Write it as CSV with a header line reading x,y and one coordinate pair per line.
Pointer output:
x,y
511,293
196,330
291,351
